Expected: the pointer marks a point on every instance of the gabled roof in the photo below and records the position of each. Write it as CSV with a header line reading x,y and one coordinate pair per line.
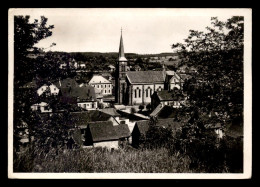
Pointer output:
x,y
165,95
81,119
122,131
143,125
86,93
145,76
98,79
102,131
110,111
65,83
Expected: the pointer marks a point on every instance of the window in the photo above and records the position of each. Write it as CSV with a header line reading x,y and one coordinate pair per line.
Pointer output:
x,y
135,93
54,88
109,86
84,106
105,91
139,93
108,91
98,86
146,93
101,86
105,85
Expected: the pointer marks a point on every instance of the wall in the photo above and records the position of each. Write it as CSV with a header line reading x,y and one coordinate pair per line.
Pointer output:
x,y
143,99
106,89
53,89
108,144
88,105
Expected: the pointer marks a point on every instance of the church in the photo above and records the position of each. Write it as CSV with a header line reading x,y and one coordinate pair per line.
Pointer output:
x,y
136,87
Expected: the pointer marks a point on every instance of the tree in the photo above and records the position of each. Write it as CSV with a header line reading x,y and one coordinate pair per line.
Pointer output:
x,y
218,57
216,91
141,107
26,35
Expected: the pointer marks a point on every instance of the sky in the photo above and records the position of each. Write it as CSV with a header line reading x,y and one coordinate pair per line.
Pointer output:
x,y
145,31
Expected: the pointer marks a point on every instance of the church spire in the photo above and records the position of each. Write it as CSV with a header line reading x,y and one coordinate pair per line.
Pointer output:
x,y
121,54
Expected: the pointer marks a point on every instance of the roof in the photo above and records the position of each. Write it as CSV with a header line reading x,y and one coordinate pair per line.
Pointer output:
x,y
185,76
143,125
121,54
31,84
110,111
81,119
164,112
165,95
86,93
102,131
145,76
65,83
98,79
111,66
122,131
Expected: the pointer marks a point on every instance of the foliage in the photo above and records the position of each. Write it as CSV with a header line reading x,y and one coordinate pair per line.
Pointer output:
x,y
215,92
133,110
127,160
141,107
217,55
26,35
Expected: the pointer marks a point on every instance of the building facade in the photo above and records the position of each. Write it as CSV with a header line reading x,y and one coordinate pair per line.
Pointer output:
x,y
101,83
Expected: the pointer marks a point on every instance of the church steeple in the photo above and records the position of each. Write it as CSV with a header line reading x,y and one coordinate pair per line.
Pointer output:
x,y
121,55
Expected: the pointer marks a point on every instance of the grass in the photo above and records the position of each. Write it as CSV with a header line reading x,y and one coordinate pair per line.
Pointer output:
x,y
128,160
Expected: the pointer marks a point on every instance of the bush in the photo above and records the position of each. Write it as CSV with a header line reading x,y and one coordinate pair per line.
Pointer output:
x,y
141,107
133,110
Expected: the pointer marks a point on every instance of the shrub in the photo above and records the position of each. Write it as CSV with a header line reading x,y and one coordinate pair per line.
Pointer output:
x,y
133,110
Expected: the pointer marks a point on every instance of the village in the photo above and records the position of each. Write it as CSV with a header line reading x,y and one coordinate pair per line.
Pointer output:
x,y
113,107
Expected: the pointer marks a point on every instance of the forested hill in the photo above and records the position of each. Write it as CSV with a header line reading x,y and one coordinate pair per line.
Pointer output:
x,y
114,54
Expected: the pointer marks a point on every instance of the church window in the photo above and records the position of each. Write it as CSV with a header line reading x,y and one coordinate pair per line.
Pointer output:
x,y
135,93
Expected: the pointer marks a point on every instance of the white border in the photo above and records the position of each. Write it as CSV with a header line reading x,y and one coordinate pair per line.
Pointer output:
x,y
247,13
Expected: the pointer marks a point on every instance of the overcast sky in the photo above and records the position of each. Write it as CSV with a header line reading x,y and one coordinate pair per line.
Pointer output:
x,y
145,31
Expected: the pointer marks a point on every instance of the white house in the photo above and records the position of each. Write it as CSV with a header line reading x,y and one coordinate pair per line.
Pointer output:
x,y
42,107
101,83
50,89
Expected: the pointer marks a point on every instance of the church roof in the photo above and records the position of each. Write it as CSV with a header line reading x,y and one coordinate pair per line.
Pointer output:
x,y
121,55
145,76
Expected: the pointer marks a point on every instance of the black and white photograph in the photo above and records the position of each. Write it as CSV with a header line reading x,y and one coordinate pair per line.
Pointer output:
x,y
129,93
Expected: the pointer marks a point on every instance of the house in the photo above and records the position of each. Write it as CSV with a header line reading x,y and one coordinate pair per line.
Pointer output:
x,y
141,128
104,134
137,68
217,128
66,83
173,80
111,68
99,82
42,107
85,96
63,65
164,111
49,89
166,97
